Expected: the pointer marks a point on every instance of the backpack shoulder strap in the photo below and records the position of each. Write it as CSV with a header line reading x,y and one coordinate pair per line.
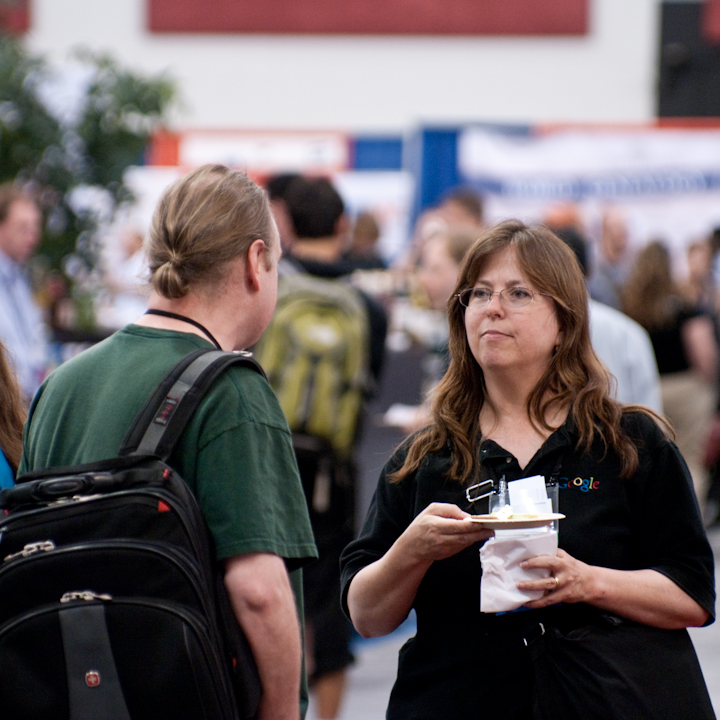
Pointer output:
x,y
159,424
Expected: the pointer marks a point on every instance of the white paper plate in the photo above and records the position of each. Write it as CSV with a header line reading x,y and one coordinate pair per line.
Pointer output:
x,y
495,523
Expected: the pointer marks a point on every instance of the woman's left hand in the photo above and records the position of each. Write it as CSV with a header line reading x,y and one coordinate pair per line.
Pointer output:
x,y
570,580
645,596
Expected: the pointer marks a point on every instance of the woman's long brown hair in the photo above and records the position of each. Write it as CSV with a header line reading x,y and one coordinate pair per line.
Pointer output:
x,y
12,413
575,379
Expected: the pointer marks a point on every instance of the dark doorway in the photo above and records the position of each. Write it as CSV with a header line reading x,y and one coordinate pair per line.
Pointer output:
x,y
689,65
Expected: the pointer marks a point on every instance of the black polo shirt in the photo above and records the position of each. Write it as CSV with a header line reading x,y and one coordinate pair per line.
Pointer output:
x,y
462,660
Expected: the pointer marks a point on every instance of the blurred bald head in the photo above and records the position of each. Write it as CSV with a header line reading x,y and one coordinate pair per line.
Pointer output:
x,y
614,235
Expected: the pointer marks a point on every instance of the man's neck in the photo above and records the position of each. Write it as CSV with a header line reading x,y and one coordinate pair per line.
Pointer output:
x,y
213,316
322,249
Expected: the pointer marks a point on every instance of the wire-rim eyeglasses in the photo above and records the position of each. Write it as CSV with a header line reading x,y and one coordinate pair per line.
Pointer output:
x,y
514,297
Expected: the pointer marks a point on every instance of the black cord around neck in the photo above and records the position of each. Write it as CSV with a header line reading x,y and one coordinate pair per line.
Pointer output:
x,y
182,318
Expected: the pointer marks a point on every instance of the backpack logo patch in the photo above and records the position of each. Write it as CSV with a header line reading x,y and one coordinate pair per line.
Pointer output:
x,y
166,411
92,678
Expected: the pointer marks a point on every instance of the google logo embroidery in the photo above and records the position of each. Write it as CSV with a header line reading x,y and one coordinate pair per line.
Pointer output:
x,y
582,484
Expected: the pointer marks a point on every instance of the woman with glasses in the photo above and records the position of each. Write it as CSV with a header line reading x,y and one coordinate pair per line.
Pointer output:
x,y
526,395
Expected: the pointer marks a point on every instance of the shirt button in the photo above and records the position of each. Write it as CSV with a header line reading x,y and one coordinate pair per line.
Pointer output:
x,y
508,459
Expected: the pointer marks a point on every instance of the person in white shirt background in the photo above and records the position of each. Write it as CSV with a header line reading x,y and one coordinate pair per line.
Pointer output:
x,y
22,328
621,343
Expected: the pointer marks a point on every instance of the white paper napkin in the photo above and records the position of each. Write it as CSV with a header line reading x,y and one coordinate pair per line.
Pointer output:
x,y
529,495
501,558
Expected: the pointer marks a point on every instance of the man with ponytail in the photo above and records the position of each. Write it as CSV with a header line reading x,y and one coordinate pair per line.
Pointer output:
x,y
213,251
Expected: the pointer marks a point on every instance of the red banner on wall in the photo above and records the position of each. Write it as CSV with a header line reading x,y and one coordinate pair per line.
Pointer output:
x,y
14,16
403,17
711,21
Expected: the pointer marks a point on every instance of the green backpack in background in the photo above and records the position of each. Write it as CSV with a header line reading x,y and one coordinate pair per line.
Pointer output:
x,y
316,354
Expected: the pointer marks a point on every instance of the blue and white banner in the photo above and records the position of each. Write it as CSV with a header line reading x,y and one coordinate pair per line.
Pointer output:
x,y
667,180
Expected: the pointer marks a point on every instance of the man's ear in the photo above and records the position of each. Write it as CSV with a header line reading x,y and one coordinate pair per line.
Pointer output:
x,y
256,263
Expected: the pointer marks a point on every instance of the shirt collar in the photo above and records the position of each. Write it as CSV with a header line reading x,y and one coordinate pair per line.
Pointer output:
x,y
563,437
8,267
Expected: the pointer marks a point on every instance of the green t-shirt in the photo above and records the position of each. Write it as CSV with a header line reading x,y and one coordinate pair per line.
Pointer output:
x,y
235,453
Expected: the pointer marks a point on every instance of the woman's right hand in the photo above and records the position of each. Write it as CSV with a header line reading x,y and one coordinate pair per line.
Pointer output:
x,y
382,593
440,531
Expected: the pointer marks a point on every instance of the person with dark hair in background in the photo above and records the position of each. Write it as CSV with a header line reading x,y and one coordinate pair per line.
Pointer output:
x,y
699,287
321,227
276,187
317,213
12,417
22,328
362,254
329,315
213,251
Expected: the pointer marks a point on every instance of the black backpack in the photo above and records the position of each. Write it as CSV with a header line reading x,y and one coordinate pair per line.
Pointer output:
x,y
111,603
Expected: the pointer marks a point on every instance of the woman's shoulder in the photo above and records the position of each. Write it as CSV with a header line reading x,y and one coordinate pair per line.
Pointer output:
x,y
643,427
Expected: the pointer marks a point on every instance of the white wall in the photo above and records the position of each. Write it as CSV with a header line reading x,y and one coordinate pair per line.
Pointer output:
x,y
376,84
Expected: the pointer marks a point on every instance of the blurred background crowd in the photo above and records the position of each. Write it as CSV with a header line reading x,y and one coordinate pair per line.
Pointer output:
x,y
598,118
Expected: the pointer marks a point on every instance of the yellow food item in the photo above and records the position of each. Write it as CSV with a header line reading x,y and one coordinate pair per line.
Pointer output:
x,y
506,513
